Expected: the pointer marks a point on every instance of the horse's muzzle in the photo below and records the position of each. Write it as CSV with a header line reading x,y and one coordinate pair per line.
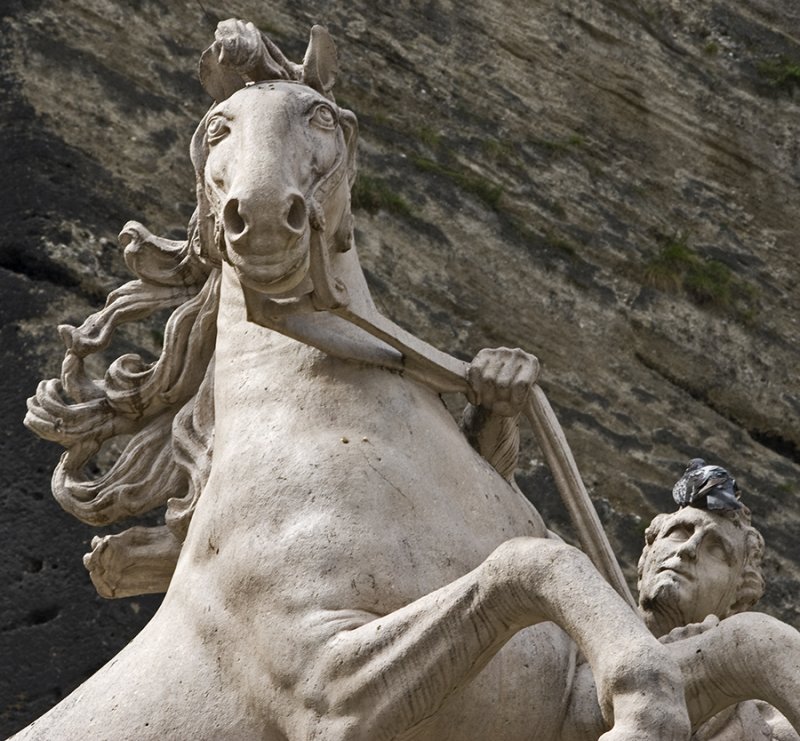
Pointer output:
x,y
269,254
252,229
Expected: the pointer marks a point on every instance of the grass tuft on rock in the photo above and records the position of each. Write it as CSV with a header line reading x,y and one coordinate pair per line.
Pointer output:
x,y
373,194
781,72
482,188
678,269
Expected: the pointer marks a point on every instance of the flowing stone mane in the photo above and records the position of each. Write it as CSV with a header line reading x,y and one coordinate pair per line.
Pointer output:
x,y
165,408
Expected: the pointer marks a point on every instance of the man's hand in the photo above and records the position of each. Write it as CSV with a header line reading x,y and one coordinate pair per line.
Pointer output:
x,y
501,379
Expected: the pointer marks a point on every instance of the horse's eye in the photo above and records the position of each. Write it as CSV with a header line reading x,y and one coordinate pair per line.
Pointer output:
x,y
324,117
217,129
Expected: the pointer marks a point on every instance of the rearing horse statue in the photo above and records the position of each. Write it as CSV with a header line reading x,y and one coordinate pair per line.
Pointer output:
x,y
339,562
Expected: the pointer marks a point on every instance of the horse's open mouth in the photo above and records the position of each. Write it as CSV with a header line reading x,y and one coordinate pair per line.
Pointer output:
x,y
271,278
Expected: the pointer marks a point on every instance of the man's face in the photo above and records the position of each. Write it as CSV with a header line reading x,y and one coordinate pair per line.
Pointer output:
x,y
693,567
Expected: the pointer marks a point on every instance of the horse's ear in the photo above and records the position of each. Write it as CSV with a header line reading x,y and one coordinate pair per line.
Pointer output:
x,y
320,65
219,81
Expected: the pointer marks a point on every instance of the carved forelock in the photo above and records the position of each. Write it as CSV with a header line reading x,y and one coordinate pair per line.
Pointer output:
x,y
242,55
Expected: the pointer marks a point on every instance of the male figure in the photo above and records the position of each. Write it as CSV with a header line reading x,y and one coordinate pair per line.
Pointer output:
x,y
699,567
697,563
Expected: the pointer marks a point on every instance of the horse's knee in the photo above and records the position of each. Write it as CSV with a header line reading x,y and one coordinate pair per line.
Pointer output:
x,y
520,574
757,623
536,556
746,656
759,638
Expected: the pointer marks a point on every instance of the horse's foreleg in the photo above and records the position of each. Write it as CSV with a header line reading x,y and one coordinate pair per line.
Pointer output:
x,y
639,687
382,678
139,560
747,656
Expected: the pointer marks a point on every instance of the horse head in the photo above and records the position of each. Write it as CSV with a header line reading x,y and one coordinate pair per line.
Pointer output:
x,y
275,161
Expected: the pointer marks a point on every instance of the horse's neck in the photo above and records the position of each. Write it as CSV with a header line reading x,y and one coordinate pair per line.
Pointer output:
x,y
252,358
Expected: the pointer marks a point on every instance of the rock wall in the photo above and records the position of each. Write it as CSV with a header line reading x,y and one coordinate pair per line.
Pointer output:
x,y
611,185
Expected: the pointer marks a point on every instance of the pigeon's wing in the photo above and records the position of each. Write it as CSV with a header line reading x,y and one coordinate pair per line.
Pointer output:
x,y
711,476
683,490
679,491
723,496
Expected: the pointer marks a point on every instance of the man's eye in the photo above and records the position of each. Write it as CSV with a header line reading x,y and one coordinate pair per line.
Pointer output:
x,y
717,550
679,532
324,117
217,129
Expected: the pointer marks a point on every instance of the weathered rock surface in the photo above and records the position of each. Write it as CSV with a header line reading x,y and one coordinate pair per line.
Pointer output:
x,y
611,185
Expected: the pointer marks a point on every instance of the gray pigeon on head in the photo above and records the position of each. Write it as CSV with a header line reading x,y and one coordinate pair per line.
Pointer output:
x,y
706,487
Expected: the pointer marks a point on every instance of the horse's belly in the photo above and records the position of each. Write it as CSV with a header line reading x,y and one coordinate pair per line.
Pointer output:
x,y
521,695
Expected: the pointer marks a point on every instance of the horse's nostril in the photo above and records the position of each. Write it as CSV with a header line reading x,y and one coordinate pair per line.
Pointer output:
x,y
297,216
234,223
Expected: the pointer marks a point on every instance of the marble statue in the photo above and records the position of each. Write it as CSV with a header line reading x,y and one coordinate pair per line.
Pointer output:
x,y
700,566
339,562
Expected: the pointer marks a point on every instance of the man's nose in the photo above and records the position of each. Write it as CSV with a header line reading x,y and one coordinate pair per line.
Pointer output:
x,y
688,549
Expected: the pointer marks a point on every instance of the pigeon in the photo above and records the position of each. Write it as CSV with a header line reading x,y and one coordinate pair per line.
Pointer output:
x,y
706,487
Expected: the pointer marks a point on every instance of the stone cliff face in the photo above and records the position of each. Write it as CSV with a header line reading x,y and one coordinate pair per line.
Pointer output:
x,y
611,185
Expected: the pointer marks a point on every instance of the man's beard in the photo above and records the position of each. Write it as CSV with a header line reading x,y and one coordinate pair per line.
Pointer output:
x,y
663,607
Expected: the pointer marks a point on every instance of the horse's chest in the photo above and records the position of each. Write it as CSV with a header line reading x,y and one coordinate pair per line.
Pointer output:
x,y
362,520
